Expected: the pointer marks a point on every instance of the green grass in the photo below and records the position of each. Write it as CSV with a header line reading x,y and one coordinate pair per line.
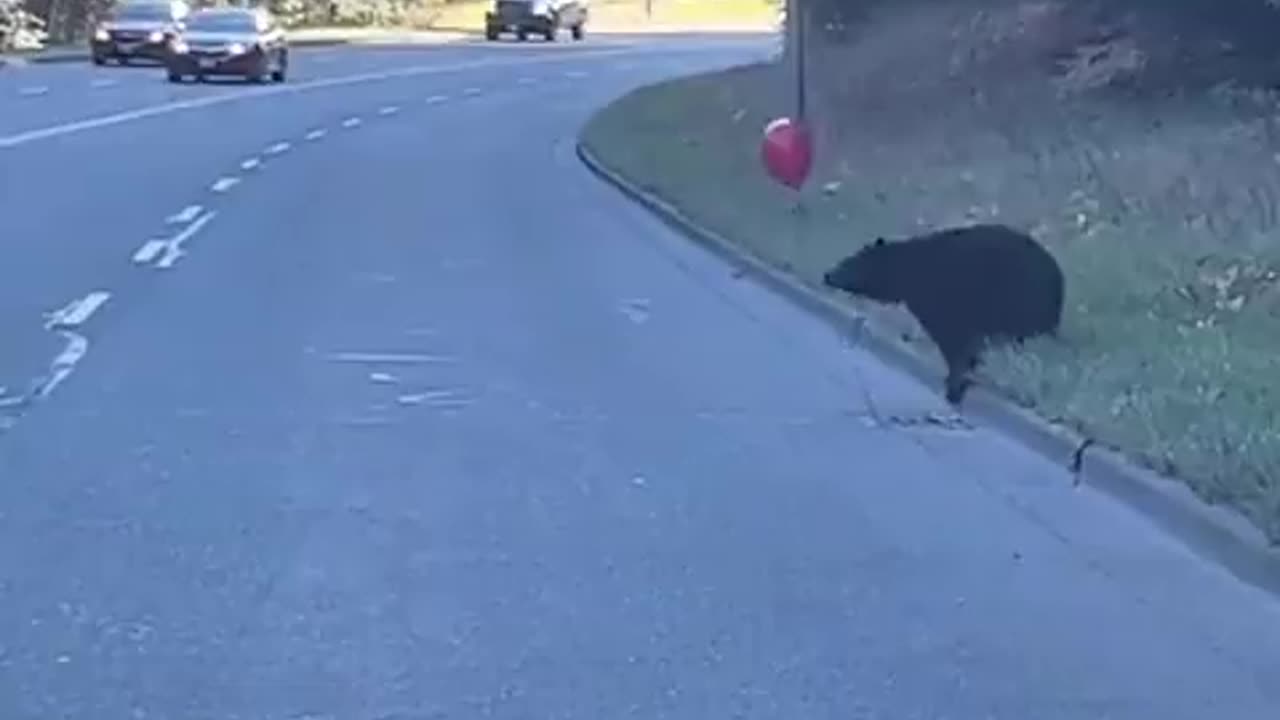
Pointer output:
x,y
1165,230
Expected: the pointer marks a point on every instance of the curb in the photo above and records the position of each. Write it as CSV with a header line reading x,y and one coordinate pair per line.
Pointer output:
x,y
1215,533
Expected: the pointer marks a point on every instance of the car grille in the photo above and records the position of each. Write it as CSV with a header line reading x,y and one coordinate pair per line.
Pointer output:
x,y
129,36
209,50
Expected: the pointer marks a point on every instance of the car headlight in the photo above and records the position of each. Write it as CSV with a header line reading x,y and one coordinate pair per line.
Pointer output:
x,y
179,47
236,48
156,37
101,35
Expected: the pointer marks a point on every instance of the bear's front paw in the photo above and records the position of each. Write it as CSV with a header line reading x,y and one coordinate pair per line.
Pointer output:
x,y
956,387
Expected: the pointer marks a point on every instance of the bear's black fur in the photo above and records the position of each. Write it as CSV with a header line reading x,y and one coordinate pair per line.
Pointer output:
x,y
967,286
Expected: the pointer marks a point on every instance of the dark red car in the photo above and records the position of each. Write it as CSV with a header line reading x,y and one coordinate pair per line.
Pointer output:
x,y
244,42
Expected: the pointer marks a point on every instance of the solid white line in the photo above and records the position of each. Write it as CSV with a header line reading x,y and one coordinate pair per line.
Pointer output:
x,y
317,134
278,148
149,250
224,184
250,164
351,122
388,110
188,214
79,126
173,248
78,312
437,99
387,358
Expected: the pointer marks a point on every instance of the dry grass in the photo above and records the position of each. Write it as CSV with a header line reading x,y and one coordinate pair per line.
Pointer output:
x,y
1163,215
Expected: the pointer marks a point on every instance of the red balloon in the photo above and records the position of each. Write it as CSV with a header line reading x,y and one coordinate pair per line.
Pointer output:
x,y
788,152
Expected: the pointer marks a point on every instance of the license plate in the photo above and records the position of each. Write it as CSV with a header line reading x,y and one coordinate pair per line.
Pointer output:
x,y
207,62
126,48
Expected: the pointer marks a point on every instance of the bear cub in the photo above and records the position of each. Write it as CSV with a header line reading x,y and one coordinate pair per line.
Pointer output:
x,y
967,287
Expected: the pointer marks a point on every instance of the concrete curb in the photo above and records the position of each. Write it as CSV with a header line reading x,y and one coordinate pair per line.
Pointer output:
x,y
1216,533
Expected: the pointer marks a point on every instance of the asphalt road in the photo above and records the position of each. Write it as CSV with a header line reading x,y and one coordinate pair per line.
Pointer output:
x,y
366,402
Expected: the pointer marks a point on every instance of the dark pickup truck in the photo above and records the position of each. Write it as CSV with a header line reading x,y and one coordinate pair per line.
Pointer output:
x,y
535,17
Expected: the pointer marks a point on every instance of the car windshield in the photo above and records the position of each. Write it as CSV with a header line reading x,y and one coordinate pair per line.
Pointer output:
x,y
223,22
143,11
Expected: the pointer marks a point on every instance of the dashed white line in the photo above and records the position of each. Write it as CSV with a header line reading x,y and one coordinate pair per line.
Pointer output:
x,y
388,110
250,164
63,365
79,311
526,81
278,148
33,91
351,122
103,83
173,248
575,74
224,184
317,134
149,251
471,91
186,215
436,99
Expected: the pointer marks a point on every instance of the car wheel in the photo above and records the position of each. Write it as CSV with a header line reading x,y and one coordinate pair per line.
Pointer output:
x,y
490,34
282,67
201,78
521,35
577,32
125,59
99,60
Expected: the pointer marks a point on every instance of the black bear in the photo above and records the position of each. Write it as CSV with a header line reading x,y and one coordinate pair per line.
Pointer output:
x,y
967,286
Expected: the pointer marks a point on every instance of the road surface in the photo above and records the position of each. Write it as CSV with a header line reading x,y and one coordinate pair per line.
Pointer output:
x,y
357,398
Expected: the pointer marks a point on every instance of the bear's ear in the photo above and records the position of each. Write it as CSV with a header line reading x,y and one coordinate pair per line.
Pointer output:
x,y
879,242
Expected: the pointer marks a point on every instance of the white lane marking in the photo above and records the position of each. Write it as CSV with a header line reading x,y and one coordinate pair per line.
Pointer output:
x,y
187,214
317,134
149,251
33,91
280,147
78,312
471,91
575,74
126,116
388,110
351,122
173,248
437,99
224,184
250,164
526,81
72,353
103,83
388,358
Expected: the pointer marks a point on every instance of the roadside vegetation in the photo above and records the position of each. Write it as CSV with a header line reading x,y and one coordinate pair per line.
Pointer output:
x,y
1139,139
